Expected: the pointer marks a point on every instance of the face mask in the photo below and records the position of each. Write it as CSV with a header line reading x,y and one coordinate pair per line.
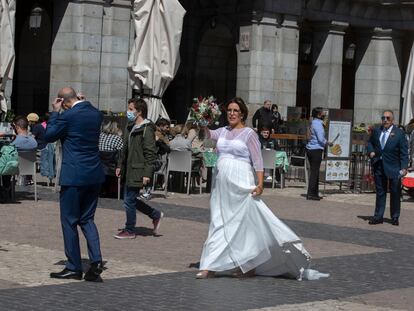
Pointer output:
x,y
131,116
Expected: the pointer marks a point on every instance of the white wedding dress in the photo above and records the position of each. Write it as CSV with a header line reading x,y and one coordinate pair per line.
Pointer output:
x,y
243,232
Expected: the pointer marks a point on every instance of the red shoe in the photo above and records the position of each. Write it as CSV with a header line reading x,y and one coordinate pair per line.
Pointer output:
x,y
156,223
125,234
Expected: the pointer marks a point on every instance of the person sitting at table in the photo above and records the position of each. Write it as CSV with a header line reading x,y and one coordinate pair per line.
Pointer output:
x,y
110,146
266,141
23,141
183,141
47,151
162,143
183,138
163,130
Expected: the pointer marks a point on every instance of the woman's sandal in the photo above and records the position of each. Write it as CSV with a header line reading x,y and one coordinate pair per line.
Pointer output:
x,y
205,274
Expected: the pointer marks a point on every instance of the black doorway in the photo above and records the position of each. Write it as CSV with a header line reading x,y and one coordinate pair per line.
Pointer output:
x,y
33,42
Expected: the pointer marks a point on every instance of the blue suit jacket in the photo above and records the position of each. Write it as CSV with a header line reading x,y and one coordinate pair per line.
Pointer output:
x,y
395,154
78,130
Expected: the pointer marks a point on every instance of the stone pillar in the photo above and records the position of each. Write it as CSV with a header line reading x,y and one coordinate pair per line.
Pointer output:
x,y
328,55
90,51
286,64
378,75
268,70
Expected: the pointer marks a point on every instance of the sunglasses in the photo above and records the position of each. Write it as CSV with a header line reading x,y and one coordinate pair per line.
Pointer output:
x,y
383,118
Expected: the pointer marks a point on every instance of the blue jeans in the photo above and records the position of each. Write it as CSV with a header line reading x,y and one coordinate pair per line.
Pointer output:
x,y
131,204
47,161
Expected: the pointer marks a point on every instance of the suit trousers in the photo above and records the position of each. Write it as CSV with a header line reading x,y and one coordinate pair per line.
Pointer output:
x,y
77,208
381,187
315,159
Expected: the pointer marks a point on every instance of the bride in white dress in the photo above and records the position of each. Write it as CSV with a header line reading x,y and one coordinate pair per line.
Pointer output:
x,y
245,237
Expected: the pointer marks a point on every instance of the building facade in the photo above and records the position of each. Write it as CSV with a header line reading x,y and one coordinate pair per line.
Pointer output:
x,y
349,54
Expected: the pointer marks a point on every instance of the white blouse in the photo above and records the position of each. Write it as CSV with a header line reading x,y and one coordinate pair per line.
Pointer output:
x,y
242,144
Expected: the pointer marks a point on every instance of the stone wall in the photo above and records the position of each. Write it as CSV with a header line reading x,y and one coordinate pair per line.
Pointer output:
x,y
269,69
378,75
90,51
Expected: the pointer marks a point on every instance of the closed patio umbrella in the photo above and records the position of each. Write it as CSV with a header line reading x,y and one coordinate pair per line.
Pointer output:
x,y
7,20
408,91
155,55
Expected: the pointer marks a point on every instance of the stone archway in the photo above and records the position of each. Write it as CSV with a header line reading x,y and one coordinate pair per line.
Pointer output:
x,y
216,63
33,59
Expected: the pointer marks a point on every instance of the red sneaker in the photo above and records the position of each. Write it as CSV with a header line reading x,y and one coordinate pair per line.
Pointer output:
x,y
124,234
156,223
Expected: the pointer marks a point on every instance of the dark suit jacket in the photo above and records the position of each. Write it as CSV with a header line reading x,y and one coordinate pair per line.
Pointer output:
x,y
78,130
395,154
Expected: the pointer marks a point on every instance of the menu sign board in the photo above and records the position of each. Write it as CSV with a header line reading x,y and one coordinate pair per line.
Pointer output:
x,y
337,170
339,154
340,136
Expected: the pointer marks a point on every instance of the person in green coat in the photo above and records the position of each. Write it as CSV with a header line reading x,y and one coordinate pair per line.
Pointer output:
x,y
135,166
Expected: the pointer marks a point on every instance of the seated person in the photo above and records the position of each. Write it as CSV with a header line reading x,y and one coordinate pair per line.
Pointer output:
x,y
163,130
110,138
47,151
37,130
183,140
265,140
162,143
23,141
110,144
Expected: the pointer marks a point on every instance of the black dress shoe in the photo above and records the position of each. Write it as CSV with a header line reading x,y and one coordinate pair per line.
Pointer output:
x,y
395,222
313,198
375,221
67,274
94,272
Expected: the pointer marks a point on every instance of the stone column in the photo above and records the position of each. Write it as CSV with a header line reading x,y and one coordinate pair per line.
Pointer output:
x,y
268,70
256,67
378,75
90,51
286,64
328,54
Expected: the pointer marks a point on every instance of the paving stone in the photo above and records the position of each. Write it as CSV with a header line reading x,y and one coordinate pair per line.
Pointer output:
x,y
370,260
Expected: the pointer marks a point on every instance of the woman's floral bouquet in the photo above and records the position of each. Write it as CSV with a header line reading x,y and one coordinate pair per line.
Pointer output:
x,y
205,111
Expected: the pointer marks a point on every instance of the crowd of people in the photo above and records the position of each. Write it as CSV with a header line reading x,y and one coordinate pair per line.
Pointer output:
x,y
236,207
245,237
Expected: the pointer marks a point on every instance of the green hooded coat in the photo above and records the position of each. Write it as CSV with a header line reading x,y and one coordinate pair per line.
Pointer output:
x,y
138,154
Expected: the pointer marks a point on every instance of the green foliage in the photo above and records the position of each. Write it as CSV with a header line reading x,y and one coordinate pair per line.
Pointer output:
x,y
10,115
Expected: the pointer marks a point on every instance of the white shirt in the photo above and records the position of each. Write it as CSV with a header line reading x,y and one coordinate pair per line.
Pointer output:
x,y
77,102
387,134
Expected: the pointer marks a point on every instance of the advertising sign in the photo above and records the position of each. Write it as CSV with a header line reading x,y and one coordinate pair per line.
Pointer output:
x,y
340,136
337,170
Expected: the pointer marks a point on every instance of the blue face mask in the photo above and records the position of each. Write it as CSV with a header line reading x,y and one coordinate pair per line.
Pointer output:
x,y
131,116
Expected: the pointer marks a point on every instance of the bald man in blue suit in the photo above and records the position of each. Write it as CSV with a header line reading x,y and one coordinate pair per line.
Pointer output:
x,y
78,129
388,150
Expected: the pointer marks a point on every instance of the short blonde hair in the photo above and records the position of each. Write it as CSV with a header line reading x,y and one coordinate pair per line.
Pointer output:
x,y
111,127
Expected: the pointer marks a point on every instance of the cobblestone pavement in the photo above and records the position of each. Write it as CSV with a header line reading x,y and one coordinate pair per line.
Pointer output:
x,y
371,267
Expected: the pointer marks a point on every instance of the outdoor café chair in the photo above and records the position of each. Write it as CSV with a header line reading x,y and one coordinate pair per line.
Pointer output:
x,y
269,156
27,166
180,161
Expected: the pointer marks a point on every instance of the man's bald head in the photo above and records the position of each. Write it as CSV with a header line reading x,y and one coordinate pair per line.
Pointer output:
x,y
68,96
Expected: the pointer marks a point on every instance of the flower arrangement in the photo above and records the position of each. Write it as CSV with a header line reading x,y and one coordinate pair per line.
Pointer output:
x,y
205,111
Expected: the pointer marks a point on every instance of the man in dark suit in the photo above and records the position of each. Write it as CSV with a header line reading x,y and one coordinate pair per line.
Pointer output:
x,y
78,128
388,150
